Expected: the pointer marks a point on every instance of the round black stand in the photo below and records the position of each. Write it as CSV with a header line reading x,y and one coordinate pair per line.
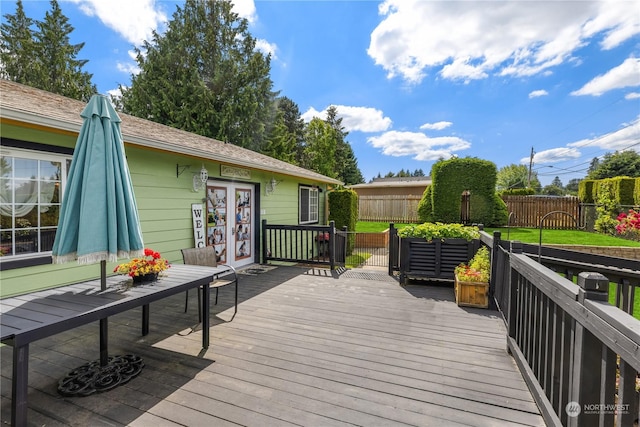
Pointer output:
x,y
93,378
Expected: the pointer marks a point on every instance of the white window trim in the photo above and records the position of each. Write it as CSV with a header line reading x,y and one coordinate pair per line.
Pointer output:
x,y
313,208
64,160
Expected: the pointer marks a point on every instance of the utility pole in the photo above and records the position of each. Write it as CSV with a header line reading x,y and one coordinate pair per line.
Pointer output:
x,y
530,166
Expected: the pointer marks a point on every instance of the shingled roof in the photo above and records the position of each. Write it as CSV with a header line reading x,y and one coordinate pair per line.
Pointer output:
x,y
25,104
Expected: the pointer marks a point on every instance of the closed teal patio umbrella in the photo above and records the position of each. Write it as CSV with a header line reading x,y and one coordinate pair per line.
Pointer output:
x,y
99,218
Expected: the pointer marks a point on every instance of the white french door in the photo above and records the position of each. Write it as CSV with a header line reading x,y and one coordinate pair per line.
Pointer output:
x,y
230,227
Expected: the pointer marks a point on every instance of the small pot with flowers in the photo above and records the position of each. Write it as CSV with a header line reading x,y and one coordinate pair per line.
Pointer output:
x,y
144,269
472,280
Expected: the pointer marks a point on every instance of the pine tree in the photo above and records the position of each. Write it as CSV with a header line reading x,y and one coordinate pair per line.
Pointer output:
x,y
55,66
17,48
205,76
320,148
281,144
346,163
294,123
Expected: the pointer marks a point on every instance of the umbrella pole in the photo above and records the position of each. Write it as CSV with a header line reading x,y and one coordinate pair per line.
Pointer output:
x,y
104,330
101,375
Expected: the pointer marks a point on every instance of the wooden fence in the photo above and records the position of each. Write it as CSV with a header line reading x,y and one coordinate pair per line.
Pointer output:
x,y
389,208
528,211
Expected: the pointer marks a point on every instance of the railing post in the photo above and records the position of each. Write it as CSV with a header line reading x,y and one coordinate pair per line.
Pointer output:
x,y
332,245
494,271
263,253
593,364
392,245
512,290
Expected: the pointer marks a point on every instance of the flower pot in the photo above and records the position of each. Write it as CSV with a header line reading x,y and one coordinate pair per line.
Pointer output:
x,y
471,294
151,277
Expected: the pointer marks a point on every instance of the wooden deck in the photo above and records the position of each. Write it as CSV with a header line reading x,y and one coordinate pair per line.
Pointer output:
x,y
305,349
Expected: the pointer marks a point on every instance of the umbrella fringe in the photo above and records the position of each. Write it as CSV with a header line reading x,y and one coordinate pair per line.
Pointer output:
x,y
96,257
62,259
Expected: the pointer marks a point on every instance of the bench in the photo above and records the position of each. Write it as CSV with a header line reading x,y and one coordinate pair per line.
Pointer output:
x,y
30,317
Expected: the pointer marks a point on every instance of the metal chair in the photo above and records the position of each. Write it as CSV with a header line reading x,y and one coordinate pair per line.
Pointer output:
x,y
207,256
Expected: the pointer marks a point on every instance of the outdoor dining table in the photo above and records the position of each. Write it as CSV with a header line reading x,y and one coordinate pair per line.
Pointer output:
x,y
36,315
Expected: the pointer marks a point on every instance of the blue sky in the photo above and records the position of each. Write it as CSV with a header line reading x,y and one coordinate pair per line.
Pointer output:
x,y
419,80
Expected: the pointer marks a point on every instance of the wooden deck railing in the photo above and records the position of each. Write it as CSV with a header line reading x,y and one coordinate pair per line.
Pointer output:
x,y
309,244
579,354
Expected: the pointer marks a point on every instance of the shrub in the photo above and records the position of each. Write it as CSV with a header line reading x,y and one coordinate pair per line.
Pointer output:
x,y
585,191
343,210
425,207
431,231
628,225
478,268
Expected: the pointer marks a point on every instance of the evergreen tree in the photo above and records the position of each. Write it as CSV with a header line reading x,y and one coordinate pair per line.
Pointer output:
x,y
572,186
205,76
294,123
346,163
55,65
281,144
17,48
620,163
557,183
595,162
44,59
320,148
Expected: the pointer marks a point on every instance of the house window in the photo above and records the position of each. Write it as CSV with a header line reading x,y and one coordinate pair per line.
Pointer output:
x,y
31,184
308,205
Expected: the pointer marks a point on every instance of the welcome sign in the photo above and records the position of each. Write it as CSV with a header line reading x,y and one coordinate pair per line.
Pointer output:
x,y
198,215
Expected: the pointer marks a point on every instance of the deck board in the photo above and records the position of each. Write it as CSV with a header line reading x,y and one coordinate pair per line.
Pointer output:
x,y
305,348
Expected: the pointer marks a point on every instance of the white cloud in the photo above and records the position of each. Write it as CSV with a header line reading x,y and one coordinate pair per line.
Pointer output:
x,y
624,138
267,48
363,119
418,145
466,40
246,9
553,155
626,74
436,125
133,20
538,93
632,95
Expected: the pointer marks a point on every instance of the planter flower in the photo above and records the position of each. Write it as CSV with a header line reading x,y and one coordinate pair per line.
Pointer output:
x,y
144,269
436,230
472,280
433,250
628,225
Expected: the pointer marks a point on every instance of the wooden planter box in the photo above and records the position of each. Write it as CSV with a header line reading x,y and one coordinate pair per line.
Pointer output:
x,y
471,294
435,260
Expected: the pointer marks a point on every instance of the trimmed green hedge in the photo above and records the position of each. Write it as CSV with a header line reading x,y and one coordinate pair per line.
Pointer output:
x,y
450,178
585,191
623,190
425,207
343,210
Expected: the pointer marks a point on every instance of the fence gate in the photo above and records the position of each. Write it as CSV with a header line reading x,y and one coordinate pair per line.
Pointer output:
x,y
371,249
465,207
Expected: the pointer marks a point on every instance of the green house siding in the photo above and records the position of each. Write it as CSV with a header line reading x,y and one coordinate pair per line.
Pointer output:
x,y
164,204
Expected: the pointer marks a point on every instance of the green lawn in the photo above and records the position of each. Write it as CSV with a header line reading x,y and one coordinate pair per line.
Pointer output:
x,y
566,237
375,227
356,260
